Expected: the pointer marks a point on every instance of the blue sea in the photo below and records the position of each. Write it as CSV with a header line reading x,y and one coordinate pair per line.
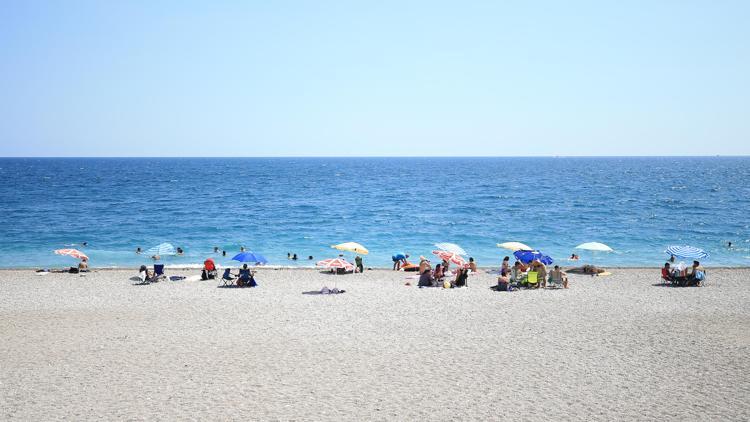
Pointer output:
x,y
275,206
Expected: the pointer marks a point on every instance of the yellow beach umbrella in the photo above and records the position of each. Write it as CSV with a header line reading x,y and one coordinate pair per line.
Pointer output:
x,y
515,246
351,247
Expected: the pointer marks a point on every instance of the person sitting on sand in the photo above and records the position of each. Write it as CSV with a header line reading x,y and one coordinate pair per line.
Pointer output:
x,y
697,274
438,274
446,266
521,266
426,279
246,278
209,270
517,274
587,269
472,265
505,265
536,265
503,282
461,275
666,273
558,276
399,260
142,273
424,265
83,266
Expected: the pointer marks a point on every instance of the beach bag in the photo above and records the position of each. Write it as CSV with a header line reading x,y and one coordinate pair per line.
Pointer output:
x,y
204,276
700,275
446,284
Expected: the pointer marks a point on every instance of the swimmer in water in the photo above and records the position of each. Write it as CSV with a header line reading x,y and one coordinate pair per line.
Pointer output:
x,y
138,250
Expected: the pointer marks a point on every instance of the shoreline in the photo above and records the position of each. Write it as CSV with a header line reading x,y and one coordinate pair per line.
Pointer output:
x,y
299,268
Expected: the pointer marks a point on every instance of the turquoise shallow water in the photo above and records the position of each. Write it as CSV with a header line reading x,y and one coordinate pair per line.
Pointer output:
x,y
638,206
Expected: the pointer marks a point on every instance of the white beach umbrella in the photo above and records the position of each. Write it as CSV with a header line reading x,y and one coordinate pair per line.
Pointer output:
x,y
594,246
451,247
162,249
515,246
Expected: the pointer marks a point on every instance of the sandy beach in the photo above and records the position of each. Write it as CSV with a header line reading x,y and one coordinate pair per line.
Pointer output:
x,y
618,347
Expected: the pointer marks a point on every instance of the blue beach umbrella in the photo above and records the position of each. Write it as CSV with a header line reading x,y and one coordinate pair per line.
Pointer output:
x,y
528,256
688,252
250,257
162,249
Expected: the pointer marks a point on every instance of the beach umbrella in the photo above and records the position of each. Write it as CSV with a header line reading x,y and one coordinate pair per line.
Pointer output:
x,y
75,253
162,249
515,246
253,257
594,246
335,263
451,247
351,247
690,252
451,257
528,256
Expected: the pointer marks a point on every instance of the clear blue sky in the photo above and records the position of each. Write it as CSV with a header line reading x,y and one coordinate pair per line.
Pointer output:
x,y
160,78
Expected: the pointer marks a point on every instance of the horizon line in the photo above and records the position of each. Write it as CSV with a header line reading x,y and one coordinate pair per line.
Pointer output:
x,y
373,156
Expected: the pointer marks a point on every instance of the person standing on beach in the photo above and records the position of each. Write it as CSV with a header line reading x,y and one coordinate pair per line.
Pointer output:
x,y
358,263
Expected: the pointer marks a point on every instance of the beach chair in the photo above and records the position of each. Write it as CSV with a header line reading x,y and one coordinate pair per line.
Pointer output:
x,y
666,278
532,279
555,282
159,272
227,278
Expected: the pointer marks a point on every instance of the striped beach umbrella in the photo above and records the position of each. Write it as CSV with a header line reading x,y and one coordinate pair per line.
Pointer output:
x,y
75,253
335,263
162,249
690,252
451,247
450,256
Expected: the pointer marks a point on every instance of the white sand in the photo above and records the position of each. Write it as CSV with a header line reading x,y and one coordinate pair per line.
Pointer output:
x,y
97,347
